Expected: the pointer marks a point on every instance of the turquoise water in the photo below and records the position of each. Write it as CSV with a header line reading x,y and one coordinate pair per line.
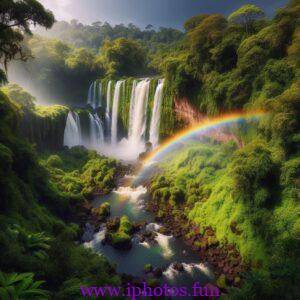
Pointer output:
x,y
168,249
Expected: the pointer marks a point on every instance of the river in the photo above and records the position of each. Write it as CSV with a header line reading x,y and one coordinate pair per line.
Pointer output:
x,y
130,201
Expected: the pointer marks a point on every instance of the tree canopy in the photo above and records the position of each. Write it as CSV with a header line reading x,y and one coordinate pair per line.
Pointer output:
x,y
246,15
16,17
123,57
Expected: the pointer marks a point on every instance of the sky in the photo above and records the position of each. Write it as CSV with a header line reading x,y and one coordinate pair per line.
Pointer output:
x,y
166,13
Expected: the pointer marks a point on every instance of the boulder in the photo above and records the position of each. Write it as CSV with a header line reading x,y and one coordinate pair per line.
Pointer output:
x,y
178,267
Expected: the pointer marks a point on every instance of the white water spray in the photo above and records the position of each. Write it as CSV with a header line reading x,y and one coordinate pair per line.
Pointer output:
x,y
96,131
131,108
72,134
139,112
115,110
107,110
156,112
94,95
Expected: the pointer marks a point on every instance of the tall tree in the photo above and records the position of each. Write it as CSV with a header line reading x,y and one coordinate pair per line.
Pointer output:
x,y
246,16
16,18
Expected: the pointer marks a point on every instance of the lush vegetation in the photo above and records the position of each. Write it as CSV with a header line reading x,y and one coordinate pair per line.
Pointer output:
x,y
249,199
248,194
39,205
72,54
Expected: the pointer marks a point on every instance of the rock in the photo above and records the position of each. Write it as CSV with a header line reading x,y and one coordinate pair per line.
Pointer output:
x,y
163,230
101,212
148,268
141,238
119,240
119,233
157,272
113,224
89,232
178,267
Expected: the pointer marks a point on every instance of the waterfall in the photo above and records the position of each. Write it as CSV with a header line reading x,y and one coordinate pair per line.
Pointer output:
x,y
94,95
139,112
155,119
107,111
131,107
115,110
72,134
96,131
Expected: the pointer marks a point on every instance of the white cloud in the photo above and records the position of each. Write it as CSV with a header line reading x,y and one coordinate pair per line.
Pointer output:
x,y
59,8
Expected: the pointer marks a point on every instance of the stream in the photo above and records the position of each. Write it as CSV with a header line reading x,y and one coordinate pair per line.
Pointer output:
x,y
130,201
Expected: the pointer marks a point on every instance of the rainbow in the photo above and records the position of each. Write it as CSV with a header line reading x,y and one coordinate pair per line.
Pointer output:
x,y
208,124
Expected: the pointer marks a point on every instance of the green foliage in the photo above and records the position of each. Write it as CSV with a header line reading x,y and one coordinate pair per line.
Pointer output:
x,y
16,18
220,68
122,57
246,16
80,60
253,172
34,243
123,234
43,201
193,22
55,69
99,176
19,96
249,200
21,286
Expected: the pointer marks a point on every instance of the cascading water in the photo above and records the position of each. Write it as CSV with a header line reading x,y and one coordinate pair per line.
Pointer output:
x,y
130,147
115,110
72,134
156,112
96,131
94,95
131,108
107,110
139,112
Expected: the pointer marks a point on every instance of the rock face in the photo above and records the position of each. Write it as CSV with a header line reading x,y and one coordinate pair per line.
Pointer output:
x,y
45,127
178,267
189,115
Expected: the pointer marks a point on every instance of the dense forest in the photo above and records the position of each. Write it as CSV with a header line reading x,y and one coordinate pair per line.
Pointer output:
x,y
244,195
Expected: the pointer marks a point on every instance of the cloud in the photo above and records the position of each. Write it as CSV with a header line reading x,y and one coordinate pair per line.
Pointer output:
x,y
59,8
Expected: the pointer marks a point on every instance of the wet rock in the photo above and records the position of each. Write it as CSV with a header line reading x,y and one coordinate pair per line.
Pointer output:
x,y
178,267
89,232
101,212
163,230
113,224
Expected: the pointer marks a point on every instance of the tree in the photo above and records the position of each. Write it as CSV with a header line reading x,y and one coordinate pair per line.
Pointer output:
x,y
149,27
123,57
16,17
246,16
194,21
